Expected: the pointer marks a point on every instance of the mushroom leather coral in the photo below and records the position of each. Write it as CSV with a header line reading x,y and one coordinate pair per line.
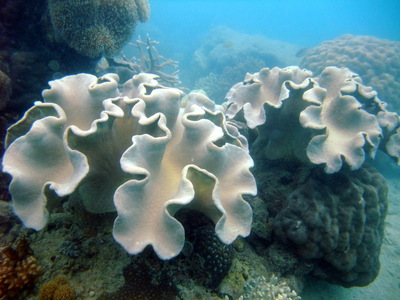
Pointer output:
x,y
348,128
329,119
135,151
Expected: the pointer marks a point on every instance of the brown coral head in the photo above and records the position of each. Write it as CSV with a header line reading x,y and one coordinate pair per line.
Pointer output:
x,y
97,27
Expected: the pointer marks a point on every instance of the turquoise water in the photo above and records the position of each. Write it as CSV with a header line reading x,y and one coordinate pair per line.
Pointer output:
x,y
306,23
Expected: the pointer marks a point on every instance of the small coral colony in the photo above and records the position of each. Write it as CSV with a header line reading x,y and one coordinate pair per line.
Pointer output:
x,y
171,182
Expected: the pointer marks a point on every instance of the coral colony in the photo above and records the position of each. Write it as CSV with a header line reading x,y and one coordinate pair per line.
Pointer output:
x,y
135,151
104,27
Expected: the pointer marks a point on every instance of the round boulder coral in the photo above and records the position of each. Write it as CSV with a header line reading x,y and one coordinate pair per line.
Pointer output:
x,y
377,61
96,27
336,222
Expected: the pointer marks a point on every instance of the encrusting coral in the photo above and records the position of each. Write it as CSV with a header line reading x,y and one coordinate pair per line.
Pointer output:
x,y
135,151
329,119
18,269
96,27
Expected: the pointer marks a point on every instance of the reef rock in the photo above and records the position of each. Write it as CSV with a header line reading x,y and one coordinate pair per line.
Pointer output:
x,y
134,151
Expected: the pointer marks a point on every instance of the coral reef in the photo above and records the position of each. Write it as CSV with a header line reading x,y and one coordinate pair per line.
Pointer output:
x,y
329,120
337,223
57,289
18,269
333,218
268,289
377,61
97,27
161,157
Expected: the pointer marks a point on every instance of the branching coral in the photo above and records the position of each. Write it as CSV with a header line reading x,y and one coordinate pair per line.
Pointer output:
x,y
136,152
18,269
148,61
96,27
327,120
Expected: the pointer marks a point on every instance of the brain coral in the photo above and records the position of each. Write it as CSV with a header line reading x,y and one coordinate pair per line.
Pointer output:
x,y
135,151
336,222
327,120
96,27
377,61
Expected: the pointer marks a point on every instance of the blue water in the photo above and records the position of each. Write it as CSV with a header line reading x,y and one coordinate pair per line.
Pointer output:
x,y
305,23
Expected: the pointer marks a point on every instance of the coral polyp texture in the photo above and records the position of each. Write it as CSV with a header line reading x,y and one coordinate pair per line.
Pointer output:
x,y
336,222
377,61
96,27
57,289
134,151
331,119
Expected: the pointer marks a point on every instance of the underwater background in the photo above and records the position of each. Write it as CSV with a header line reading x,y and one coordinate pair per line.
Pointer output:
x,y
310,236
